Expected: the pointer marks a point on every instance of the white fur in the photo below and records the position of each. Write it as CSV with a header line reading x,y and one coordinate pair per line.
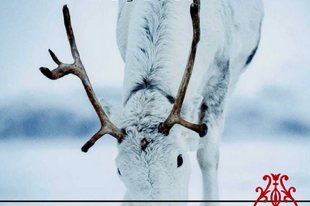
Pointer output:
x,y
230,30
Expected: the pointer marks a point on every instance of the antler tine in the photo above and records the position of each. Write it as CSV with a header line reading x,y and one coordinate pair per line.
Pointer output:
x,y
77,68
175,115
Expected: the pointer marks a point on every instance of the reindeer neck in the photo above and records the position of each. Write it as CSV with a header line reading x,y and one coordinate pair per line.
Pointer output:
x,y
152,59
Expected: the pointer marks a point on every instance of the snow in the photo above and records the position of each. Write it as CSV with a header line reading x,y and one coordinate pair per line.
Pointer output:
x,y
57,169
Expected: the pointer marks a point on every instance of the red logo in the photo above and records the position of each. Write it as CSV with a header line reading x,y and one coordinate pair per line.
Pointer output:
x,y
275,195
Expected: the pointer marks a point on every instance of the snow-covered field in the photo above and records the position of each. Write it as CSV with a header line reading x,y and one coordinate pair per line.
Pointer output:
x,y
56,169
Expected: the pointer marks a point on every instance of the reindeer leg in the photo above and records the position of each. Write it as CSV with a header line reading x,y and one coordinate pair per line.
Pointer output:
x,y
208,159
212,114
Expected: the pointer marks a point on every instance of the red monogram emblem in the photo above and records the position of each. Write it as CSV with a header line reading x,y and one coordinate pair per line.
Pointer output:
x,y
275,196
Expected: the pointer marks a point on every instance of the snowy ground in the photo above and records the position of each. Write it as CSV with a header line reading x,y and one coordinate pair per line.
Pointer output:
x,y
58,170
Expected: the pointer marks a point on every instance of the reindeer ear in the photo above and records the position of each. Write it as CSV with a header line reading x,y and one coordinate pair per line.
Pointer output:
x,y
112,112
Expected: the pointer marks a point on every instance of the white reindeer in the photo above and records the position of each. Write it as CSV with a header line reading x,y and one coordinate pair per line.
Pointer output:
x,y
154,38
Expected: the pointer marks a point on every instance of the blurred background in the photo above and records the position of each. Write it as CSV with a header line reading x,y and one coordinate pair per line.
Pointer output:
x,y
44,123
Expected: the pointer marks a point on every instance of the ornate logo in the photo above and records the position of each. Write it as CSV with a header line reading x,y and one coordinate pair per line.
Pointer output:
x,y
275,196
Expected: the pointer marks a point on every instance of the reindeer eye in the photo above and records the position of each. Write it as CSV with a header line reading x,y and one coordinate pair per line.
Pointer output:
x,y
180,160
119,172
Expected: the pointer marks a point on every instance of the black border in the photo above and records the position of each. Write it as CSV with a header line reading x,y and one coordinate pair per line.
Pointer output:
x,y
118,201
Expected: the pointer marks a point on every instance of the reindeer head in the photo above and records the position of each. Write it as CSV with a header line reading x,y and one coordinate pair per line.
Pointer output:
x,y
152,161
152,165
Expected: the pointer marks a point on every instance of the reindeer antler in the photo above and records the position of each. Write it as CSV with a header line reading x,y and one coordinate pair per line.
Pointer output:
x,y
175,115
77,68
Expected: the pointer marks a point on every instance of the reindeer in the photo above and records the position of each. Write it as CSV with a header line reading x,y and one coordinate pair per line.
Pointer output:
x,y
158,126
